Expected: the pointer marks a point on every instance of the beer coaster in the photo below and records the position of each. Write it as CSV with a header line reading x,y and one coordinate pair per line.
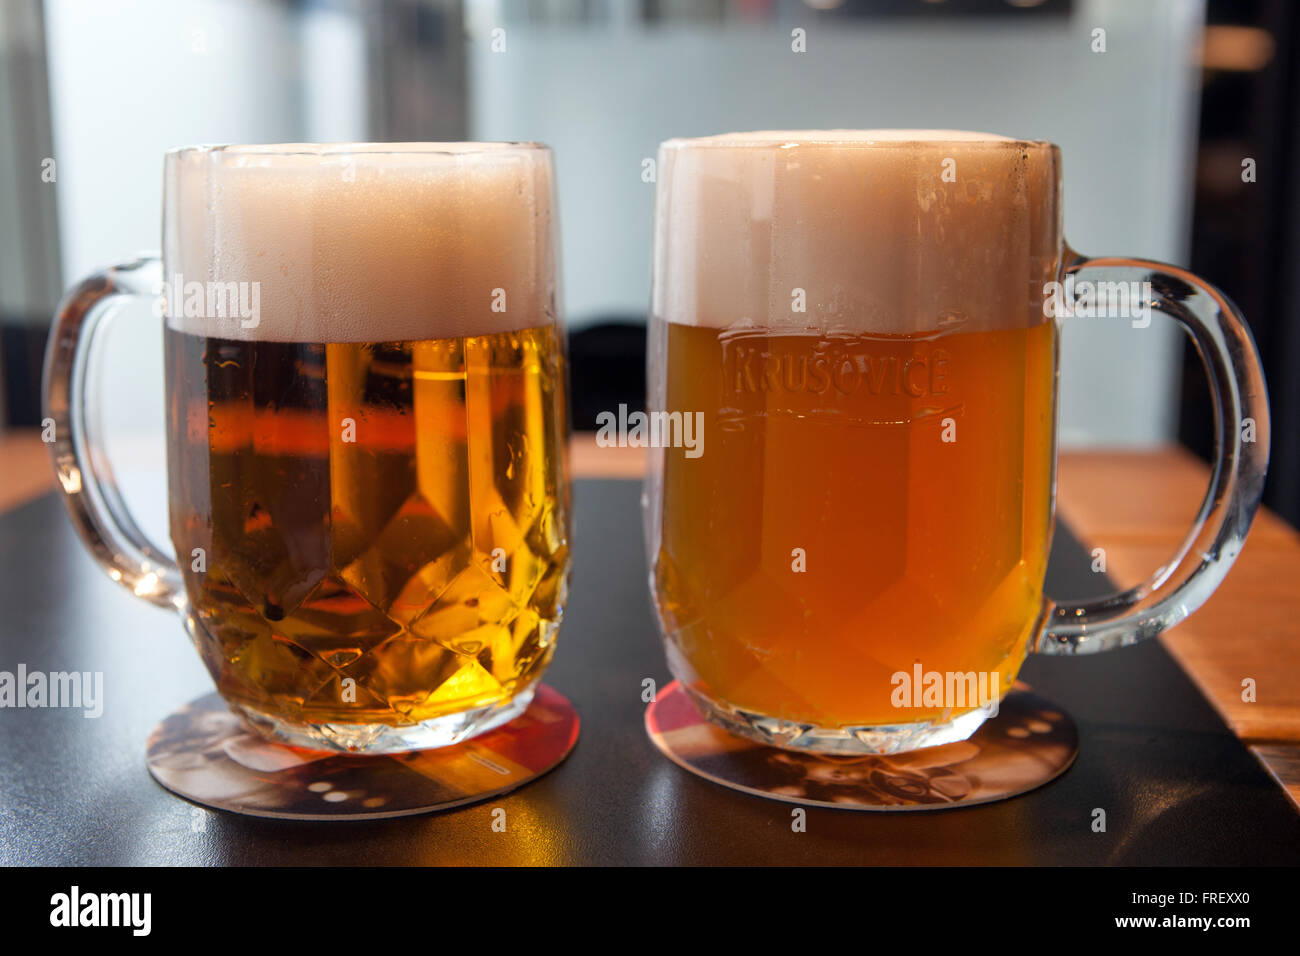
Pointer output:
x,y
206,754
1030,742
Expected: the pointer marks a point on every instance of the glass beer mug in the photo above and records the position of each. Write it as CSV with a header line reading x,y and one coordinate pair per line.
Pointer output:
x,y
866,326
366,422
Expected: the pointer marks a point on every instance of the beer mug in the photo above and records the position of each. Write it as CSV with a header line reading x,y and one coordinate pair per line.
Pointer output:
x,y
848,556
367,413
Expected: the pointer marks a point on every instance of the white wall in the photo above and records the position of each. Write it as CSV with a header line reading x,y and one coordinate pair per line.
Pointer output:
x,y
130,79
604,97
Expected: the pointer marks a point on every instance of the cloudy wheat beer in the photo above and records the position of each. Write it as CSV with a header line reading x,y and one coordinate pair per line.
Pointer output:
x,y
867,344
368,496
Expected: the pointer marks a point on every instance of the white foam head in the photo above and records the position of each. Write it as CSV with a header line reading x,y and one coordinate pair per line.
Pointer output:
x,y
365,242
883,230
838,137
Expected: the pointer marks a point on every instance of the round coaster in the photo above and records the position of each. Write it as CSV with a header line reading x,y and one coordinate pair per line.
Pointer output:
x,y
206,754
1028,743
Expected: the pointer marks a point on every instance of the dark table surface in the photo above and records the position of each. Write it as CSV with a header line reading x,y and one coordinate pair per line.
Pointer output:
x,y
1177,787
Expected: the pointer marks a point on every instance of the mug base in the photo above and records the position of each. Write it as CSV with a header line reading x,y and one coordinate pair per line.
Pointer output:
x,y
369,739
837,741
206,753
1030,742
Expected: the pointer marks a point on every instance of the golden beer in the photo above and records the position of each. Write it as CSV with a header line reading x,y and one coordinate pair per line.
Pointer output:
x,y
916,549
383,526
367,417
854,561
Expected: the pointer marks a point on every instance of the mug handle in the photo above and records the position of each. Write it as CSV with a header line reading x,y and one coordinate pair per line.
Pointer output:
x,y
80,464
1241,440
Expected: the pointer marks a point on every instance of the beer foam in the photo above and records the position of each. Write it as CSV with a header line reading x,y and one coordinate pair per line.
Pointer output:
x,y
889,231
828,137
363,243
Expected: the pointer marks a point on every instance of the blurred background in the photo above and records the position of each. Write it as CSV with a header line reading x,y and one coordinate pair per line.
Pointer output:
x,y
1157,115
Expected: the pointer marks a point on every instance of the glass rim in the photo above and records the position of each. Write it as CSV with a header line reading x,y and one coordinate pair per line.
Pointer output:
x,y
852,139
334,150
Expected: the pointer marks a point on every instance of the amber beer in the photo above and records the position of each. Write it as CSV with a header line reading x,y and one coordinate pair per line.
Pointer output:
x,y
916,549
367,485
875,496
